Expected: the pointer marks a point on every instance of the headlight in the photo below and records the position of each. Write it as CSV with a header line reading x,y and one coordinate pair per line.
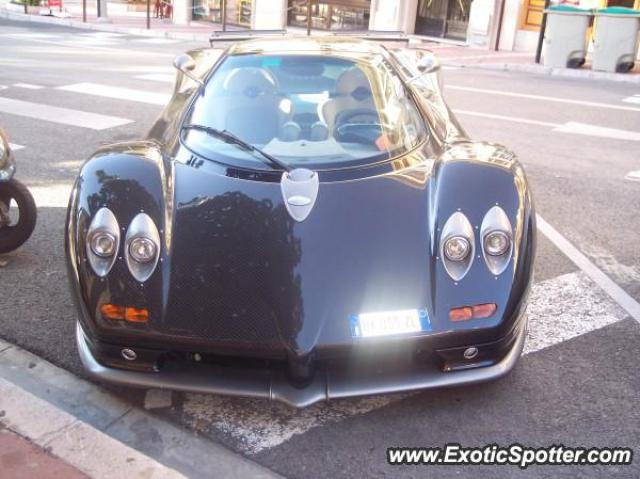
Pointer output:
x,y
456,248
103,244
142,244
497,243
497,240
142,249
102,241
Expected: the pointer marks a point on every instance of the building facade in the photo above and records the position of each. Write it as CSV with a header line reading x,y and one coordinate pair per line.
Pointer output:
x,y
502,24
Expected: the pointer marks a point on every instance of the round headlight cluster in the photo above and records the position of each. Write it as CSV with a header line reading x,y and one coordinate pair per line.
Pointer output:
x,y
103,244
142,249
456,248
497,243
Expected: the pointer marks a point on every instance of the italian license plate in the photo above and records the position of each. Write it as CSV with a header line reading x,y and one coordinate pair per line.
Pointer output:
x,y
389,323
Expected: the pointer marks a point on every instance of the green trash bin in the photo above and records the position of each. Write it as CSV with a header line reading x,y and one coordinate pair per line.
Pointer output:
x,y
565,37
615,42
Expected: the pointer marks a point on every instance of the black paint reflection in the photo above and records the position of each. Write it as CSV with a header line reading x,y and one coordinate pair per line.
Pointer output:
x,y
233,273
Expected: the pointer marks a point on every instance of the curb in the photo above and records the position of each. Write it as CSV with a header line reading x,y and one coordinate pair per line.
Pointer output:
x,y
92,429
633,79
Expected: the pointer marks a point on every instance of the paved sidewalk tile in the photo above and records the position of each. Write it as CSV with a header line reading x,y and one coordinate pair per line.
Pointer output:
x,y
20,458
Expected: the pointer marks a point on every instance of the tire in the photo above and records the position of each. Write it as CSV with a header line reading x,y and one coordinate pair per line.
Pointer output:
x,y
13,236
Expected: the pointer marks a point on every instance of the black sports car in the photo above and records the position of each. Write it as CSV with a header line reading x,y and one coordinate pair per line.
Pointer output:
x,y
306,220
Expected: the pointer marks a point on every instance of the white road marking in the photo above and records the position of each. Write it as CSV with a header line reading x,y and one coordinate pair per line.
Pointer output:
x,y
15,146
543,98
30,36
600,131
118,93
633,176
559,309
506,118
28,86
161,77
51,196
633,99
3,87
60,115
568,127
74,441
156,41
618,294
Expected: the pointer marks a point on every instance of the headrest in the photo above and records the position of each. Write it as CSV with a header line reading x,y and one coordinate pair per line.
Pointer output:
x,y
250,81
352,80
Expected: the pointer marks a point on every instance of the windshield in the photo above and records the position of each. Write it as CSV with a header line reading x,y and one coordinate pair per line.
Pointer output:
x,y
315,111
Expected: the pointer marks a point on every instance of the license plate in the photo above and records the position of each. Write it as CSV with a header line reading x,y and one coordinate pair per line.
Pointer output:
x,y
389,323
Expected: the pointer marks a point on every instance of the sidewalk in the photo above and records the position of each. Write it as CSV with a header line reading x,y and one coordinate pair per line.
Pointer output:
x,y
468,57
56,425
22,459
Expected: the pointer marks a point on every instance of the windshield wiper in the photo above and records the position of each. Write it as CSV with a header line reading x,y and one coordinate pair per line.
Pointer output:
x,y
229,137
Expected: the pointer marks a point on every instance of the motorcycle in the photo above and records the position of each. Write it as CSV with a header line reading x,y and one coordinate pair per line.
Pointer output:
x,y
17,207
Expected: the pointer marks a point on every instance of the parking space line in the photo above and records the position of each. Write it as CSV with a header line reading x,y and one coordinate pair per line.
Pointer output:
x,y
559,309
618,294
543,98
60,115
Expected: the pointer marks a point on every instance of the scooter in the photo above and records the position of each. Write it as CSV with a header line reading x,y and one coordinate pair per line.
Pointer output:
x,y
17,208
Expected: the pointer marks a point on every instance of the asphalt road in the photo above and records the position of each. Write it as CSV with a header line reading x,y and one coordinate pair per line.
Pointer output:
x,y
578,383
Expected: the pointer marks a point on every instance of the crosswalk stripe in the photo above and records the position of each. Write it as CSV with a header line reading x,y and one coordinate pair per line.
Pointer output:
x,y
161,77
60,115
118,93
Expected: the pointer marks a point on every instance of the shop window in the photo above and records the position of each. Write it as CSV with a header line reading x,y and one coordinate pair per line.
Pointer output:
x,y
330,15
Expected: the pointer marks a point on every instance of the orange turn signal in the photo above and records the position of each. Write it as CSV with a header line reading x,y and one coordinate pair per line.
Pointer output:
x,y
136,315
112,311
461,314
487,310
133,315
479,311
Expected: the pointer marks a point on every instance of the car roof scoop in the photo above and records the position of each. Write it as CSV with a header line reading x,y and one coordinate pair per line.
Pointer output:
x,y
299,190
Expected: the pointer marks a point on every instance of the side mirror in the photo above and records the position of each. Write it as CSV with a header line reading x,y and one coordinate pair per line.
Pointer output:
x,y
185,64
428,64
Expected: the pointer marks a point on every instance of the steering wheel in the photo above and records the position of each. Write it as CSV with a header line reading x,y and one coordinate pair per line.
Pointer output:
x,y
359,125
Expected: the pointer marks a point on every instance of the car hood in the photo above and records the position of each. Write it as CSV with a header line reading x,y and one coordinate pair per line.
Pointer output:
x,y
244,271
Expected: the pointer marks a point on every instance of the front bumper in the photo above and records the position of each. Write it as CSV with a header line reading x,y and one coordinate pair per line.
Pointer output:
x,y
274,385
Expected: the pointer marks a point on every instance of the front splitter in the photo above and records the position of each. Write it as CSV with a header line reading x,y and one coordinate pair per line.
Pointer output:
x,y
273,385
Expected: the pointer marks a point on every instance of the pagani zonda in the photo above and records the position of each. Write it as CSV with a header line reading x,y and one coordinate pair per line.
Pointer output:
x,y
306,220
